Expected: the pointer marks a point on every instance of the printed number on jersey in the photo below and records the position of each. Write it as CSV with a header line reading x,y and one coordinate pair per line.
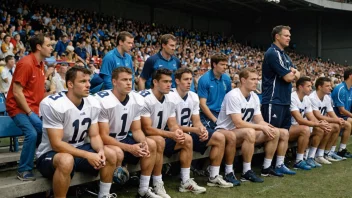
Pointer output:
x,y
86,122
185,116
247,114
123,131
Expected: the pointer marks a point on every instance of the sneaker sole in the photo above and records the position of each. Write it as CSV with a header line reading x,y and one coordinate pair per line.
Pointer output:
x,y
194,192
246,180
218,185
301,169
270,175
20,178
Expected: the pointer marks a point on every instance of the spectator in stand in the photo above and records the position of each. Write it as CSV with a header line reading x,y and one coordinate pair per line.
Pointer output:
x,y
22,104
7,46
59,81
6,74
61,45
118,57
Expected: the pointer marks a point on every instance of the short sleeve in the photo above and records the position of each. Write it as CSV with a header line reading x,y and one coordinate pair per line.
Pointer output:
x,y
314,103
22,73
138,113
145,110
294,104
202,90
103,115
232,104
340,94
4,74
257,105
95,114
51,118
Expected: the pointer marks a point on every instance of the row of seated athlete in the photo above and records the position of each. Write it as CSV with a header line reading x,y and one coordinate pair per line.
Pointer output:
x,y
146,114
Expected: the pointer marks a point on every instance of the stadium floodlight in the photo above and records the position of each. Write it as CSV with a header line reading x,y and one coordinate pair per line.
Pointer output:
x,y
274,1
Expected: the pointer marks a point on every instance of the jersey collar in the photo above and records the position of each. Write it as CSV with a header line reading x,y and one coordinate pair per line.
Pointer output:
x,y
277,48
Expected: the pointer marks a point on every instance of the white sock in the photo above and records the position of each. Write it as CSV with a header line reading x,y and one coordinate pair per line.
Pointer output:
x,y
267,163
299,157
246,167
214,171
342,146
333,149
279,160
312,152
185,174
306,154
228,169
104,189
320,153
157,179
143,184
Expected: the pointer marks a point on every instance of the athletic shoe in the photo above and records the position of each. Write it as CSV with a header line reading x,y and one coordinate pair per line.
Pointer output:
x,y
148,194
160,190
267,172
251,176
344,153
322,160
312,163
26,176
191,186
330,158
334,155
302,165
284,170
219,181
113,195
231,178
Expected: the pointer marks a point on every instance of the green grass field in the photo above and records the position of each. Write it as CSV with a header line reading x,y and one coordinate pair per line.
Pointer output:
x,y
329,181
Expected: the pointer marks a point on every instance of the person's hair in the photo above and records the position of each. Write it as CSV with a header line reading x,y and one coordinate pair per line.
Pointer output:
x,y
278,29
122,36
71,74
6,35
244,73
36,40
302,80
347,73
181,71
157,74
118,70
164,39
216,59
320,81
8,58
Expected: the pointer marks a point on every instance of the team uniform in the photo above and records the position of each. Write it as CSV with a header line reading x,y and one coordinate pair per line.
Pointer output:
x,y
303,107
341,97
120,116
235,103
276,91
159,112
59,112
324,106
185,108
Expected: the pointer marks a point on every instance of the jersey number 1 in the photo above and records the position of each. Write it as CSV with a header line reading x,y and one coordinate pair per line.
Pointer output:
x,y
122,132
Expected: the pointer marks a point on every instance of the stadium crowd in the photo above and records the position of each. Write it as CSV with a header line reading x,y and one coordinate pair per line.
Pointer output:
x,y
83,50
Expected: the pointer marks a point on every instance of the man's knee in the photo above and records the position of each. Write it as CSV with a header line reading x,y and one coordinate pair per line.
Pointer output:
x,y
218,138
111,155
305,131
283,133
160,143
151,145
250,135
64,162
188,141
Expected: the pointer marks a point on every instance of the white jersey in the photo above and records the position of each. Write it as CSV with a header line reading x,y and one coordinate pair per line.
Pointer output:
x,y
235,103
323,106
185,107
303,107
158,111
59,112
119,115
